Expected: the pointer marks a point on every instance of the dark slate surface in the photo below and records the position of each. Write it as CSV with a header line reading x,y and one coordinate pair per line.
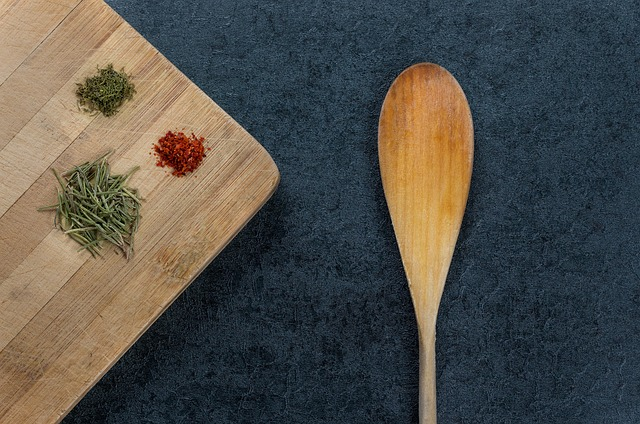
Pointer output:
x,y
306,317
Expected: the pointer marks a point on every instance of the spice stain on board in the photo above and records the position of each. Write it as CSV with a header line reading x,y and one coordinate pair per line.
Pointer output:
x,y
25,368
180,263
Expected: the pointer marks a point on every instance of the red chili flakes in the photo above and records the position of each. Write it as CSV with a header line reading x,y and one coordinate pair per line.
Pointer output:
x,y
181,152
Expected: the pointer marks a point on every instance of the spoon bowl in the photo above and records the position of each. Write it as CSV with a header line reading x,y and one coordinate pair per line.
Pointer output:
x,y
425,146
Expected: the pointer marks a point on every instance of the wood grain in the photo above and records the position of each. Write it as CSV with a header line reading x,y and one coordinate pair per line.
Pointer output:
x,y
65,317
425,145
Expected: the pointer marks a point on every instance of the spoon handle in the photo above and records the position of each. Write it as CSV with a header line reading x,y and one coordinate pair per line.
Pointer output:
x,y
427,405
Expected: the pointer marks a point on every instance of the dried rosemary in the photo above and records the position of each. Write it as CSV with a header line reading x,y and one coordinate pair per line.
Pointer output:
x,y
95,206
105,92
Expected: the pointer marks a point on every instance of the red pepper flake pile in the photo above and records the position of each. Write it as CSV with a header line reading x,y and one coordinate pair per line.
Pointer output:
x,y
181,152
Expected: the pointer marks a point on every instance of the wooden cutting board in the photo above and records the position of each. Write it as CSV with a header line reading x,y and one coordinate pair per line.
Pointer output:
x,y
65,317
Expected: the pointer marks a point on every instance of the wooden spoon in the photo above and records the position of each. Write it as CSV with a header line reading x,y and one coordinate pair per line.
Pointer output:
x,y
425,144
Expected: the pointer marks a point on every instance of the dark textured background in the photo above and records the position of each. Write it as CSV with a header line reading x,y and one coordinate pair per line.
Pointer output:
x,y
306,317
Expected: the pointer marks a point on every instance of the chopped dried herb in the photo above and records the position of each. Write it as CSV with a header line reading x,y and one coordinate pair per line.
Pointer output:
x,y
105,92
95,206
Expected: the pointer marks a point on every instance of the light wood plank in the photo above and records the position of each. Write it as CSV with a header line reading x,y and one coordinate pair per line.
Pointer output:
x,y
52,63
21,34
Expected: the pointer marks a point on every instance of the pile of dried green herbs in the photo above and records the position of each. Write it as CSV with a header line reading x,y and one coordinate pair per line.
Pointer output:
x,y
106,91
95,206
